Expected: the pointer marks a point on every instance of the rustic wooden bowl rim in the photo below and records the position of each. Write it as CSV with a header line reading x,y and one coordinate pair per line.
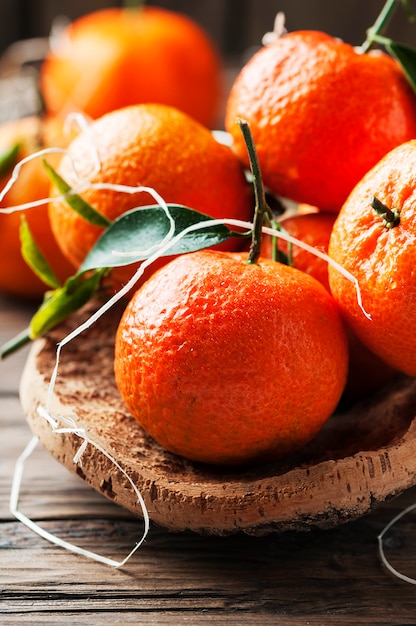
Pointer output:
x,y
364,456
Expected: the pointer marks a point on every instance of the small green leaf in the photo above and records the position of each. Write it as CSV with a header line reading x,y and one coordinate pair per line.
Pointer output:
x,y
8,159
60,303
137,231
407,58
34,257
75,201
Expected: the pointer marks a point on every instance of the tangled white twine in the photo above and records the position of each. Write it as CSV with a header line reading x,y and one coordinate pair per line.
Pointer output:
x,y
69,427
69,424
15,176
72,119
60,424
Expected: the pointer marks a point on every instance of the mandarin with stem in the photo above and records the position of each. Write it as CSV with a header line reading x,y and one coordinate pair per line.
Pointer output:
x,y
154,146
374,239
229,359
227,362
366,371
321,112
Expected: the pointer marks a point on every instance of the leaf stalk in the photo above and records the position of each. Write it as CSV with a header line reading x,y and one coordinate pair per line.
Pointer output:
x,y
262,209
379,25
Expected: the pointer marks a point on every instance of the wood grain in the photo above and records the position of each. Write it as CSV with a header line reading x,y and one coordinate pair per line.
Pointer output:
x,y
321,577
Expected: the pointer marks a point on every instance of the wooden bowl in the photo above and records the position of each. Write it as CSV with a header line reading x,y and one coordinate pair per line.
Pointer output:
x,y
364,455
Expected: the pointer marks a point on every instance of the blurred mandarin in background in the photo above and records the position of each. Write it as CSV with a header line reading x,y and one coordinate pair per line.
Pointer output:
x,y
115,57
27,136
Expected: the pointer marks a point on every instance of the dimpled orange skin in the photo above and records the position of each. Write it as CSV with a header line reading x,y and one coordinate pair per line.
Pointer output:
x,y
114,57
383,260
321,115
158,147
228,363
366,371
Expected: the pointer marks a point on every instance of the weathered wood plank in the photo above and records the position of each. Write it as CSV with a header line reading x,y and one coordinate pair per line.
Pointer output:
x,y
332,574
141,616
321,577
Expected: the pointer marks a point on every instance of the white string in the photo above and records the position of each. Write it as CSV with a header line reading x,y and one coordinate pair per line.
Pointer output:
x,y
15,175
82,185
383,557
87,184
73,118
167,242
70,427
286,237
84,124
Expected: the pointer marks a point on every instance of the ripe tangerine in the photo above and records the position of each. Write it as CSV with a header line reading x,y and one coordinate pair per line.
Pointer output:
x,y
366,371
381,254
230,363
154,146
321,113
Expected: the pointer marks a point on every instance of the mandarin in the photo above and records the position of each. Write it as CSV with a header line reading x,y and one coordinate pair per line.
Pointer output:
x,y
321,113
380,252
366,371
115,57
30,134
229,363
154,146
311,228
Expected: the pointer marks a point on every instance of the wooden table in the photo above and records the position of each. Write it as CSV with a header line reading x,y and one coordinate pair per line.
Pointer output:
x,y
314,578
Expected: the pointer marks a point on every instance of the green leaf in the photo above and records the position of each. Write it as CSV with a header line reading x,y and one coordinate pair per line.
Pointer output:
x,y
407,58
75,201
140,229
60,303
34,257
8,159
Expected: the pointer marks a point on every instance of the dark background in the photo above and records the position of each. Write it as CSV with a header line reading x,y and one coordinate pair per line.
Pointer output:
x,y
235,25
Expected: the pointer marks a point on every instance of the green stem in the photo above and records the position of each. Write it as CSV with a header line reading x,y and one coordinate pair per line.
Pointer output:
x,y
391,217
17,342
379,25
261,207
